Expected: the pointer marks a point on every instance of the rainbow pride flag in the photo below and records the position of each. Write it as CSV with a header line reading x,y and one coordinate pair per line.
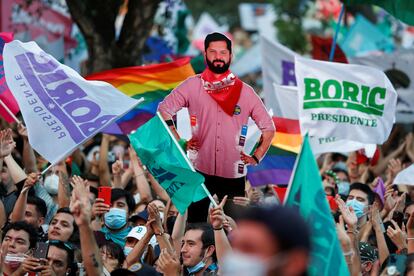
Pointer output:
x,y
153,82
277,166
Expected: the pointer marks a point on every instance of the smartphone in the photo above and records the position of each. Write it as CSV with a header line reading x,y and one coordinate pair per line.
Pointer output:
x,y
104,192
41,250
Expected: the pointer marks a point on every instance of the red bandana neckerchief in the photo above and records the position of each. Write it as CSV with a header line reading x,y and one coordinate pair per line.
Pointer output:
x,y
225,89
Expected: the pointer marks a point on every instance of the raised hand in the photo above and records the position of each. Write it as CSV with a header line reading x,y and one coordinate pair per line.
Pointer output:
x,y
242,201
80,205
99,208
394,167
168,264
22,130
347,213
217,217
154,219
118,166
398,236
30,181
7,143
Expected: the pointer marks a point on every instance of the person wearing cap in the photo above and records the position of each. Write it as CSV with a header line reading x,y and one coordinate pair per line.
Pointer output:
x,y
368,255
269,240
219,106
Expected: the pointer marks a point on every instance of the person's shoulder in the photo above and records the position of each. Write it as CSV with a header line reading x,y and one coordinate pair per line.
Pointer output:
x,y
246,88
192,79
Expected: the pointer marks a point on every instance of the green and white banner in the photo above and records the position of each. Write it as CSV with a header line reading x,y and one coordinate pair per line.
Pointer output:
x,y
345,101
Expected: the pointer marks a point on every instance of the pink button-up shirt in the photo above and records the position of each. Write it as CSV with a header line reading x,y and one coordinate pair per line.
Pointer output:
x,y
217,132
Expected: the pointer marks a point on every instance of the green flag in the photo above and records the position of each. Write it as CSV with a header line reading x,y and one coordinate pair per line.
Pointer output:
x,y
160,153
306,193
401,9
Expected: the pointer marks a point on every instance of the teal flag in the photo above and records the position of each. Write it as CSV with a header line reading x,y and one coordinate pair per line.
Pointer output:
x,y
306,193
364,37
160,153
401,9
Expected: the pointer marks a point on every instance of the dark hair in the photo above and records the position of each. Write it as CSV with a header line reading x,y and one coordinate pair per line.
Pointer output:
x,y
40,204
286,225
70,252
207,236
22,225
337,170
123,272
116,251
408,204
120,193
365,189
74,238
217,37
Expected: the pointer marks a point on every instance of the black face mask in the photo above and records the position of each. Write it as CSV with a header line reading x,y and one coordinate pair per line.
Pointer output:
x,y
218,69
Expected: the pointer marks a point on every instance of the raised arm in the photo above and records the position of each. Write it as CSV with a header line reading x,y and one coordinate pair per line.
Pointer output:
x,y
21,202
217,220
140,178
104,174
29,158
81,210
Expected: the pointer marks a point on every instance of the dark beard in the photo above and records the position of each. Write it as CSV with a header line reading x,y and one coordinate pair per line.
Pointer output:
x,y
218,69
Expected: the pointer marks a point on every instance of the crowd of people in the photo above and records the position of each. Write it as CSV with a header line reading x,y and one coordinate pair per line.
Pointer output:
x,y
101,212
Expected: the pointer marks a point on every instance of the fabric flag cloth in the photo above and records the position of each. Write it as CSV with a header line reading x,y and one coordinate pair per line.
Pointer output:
x,y
350,102
278,66
398,66
166,161
289,107
401,9
321,48
275,168
380,189
60,108
287,134
364,37
5,95
306,193
153,82
405,177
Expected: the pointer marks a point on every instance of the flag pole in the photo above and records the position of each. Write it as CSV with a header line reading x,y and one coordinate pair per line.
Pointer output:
x,y
186,158
338,26
9,112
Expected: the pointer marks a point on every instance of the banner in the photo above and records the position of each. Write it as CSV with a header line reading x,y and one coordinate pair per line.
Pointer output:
x,y
166,161
289,104
405,177
60,108
278,66
351,102
398,66
306,193
5,95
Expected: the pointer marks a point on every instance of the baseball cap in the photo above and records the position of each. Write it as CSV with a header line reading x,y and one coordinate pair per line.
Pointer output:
x,y
137,232
142,215
367,252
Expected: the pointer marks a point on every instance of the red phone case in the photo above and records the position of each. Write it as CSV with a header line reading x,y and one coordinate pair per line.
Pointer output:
x,y
105,194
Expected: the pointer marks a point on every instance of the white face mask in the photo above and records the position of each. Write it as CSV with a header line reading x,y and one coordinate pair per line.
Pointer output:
x,y
241,264
51,184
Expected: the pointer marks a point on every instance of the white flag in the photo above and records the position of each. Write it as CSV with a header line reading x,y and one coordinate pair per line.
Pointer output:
x,y
60,108
351,102
398,66
405,177
289,106
278,66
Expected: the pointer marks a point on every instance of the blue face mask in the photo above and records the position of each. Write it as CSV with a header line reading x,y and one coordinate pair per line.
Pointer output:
x,y
115,218
127,250
343,188
196,268
357,206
